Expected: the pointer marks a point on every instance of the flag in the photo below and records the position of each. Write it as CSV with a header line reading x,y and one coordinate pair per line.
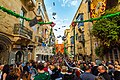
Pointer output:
x,y
53,24
33,22
53,3
55,29
63,26
53,17
53,13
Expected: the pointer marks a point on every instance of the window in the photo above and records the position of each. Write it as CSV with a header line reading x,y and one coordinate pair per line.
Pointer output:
x,y
80,18
72,39
111,55
89,2
77,36
82,36
22,13
116,54
40,10
111,3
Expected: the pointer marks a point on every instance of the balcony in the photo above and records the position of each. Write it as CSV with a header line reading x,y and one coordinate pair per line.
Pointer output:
x,y
19,29
81,38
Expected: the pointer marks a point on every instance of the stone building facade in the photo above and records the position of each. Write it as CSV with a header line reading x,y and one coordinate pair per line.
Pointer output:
x,y
17,39
83,39
85,43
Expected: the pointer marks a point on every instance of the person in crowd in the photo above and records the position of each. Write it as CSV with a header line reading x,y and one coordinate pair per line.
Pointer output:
x,y
77,75
32,70
5,72
116,64
117,73
14,74
87,74
94,69
19,65
69,75
103,63
111,71
55,72
83,67
63,71
49,69
42,75
45,67
11,67
1,68
25,73
103,73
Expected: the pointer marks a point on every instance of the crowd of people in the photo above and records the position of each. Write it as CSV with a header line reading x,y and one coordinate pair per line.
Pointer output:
x,y
61,68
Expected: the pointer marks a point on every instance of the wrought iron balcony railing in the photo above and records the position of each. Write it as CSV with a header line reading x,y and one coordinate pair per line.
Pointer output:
x,y
19,29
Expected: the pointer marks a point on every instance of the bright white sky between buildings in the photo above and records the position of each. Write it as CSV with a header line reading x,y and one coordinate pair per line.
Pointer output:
x,y
65,11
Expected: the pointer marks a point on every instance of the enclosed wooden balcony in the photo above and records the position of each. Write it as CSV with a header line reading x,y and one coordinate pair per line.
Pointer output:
x,y
23,31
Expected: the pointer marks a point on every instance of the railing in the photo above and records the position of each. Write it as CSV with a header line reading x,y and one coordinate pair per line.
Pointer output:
x,y
81,38
22,30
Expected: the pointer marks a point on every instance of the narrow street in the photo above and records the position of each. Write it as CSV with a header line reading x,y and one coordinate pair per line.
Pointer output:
x,y
59,40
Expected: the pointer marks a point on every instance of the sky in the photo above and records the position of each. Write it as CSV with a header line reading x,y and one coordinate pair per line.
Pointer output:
x,y
65,11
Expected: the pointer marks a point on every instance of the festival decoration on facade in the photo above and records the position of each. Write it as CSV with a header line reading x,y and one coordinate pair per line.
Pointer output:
x,y
59,48
51,23
97,8
19,16
74,24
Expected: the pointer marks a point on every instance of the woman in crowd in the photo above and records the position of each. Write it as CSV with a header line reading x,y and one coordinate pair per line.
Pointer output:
x,y
5,72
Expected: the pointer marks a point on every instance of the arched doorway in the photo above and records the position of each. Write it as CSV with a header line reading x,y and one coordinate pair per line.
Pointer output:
x,y
5,44
3,53
19,56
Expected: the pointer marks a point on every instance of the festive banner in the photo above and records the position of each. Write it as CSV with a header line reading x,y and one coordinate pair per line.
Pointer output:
x,y
33,22
10,12
59,48
97,8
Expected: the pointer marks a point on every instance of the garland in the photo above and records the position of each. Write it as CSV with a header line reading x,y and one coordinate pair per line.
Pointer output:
x,y
94,19
19,16
28,19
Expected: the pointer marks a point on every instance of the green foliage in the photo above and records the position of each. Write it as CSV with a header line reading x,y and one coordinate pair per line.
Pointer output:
x,y
99,50
107,30
112,10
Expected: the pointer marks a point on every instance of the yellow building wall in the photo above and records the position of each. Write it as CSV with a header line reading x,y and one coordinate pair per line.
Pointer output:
x,y
7,21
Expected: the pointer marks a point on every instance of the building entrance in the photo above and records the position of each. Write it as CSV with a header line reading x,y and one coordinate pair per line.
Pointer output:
x,y
5,43
19,56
